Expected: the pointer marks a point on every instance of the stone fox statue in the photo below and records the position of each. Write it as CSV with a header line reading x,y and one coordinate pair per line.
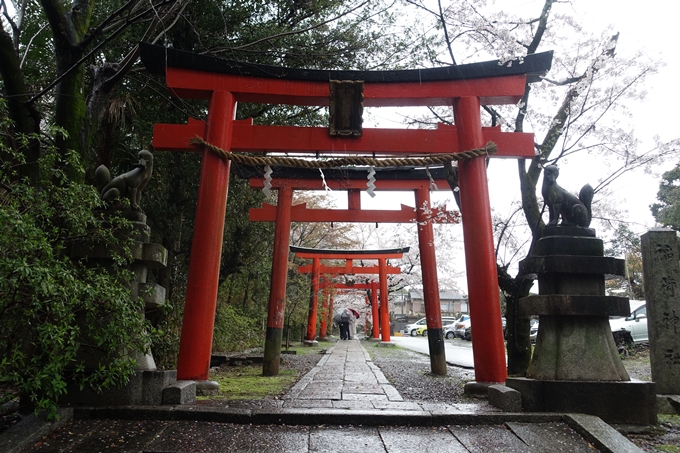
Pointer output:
x,y
129,184
574,211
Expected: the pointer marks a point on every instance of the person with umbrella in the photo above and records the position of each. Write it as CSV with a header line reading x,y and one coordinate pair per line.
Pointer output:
x,y
342,318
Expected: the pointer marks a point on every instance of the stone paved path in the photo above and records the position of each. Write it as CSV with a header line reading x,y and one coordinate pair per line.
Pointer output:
x,y
346,378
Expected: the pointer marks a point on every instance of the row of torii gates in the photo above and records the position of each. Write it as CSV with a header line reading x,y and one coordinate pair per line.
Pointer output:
x,y
223,83
324,278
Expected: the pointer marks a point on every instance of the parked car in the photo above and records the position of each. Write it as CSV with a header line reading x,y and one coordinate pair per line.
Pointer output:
x,y
449,331
445,323
411,329
467,335
420,326
631,328
460,326
533,330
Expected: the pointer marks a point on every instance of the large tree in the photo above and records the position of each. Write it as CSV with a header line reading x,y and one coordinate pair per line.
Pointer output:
x,y
578,109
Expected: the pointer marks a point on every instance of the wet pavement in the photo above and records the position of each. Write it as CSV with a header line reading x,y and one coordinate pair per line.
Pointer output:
x,y
344,404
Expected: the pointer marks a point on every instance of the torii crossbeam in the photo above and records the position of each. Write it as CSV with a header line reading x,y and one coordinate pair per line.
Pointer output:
x,y
224,82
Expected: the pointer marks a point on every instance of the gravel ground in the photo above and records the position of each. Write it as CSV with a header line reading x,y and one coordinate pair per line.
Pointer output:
x,y
409,373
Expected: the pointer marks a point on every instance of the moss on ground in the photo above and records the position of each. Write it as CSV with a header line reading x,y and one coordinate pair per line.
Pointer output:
x,y
247,382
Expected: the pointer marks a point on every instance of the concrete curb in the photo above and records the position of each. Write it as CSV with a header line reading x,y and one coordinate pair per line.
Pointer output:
x,y
601,435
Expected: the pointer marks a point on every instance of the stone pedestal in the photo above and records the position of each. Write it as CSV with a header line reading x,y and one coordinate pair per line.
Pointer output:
x,y
576,366
146,385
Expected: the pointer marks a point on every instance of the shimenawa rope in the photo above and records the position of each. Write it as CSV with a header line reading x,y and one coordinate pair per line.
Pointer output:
x,y
281,161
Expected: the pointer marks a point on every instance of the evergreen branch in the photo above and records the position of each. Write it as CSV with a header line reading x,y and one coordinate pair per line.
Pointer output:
x,y
297,32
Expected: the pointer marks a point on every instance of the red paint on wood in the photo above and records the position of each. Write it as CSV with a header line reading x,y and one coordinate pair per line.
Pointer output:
x,y
206,250
313,302
374,309
384,304
337,270
428,262
188,83
480,261
277,294
306,140
340,255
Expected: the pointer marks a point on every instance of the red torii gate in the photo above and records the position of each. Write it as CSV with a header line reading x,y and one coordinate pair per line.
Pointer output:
x,y
371,286
353,180
349,269
349,255
224,82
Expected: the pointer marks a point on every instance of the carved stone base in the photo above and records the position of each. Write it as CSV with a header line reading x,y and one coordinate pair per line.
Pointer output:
x,y
632,402
574,348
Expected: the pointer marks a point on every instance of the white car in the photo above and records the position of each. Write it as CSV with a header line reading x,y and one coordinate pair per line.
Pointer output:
x,y
460,326
635,324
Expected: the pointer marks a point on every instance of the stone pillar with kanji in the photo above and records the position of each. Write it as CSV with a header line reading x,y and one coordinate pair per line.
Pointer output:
x,y
661,271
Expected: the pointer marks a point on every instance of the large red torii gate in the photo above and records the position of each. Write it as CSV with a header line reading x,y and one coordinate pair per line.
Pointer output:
x,y
224,82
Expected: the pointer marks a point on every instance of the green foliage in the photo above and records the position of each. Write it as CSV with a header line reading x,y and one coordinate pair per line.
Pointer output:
x,y
667,211
235,329
626,244
53,309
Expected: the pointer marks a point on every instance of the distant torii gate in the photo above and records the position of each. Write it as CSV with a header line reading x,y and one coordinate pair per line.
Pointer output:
x,y
348,269
224,82
372,287
318,254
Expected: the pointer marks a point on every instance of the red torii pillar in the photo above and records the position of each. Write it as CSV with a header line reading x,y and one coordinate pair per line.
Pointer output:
x,y
480,260
313,303
206,250
374,309
428,261
277,294
384,303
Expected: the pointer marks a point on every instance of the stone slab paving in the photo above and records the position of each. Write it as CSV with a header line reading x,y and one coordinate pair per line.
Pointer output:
x,y
348,379
148,436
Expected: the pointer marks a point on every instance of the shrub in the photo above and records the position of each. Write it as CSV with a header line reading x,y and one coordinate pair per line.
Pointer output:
x,y
53,309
